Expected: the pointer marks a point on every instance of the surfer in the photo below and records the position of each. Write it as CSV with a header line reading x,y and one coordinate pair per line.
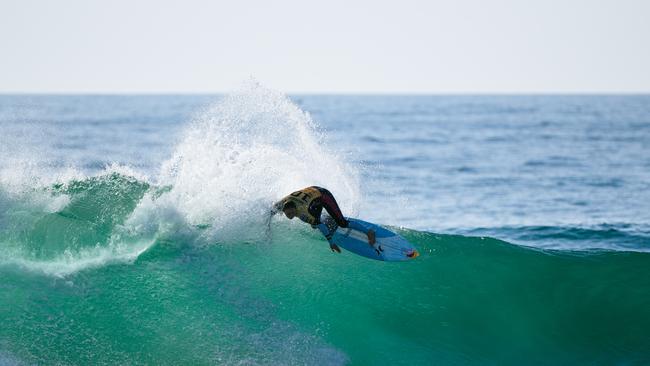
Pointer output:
x,y
308,203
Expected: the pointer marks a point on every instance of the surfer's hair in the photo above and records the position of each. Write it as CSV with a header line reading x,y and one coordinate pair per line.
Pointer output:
x,y
288,205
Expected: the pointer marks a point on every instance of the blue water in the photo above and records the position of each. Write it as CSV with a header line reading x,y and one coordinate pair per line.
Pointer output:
x,y
548,171
462,163
133,229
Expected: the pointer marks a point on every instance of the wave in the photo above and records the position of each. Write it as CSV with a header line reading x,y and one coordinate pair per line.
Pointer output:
x,y
466,299
469,300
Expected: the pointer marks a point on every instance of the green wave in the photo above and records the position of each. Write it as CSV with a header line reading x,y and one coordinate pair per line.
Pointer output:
x,y
470,301
289,300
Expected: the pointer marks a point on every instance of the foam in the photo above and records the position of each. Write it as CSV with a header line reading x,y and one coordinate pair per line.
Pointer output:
x,y
235,159
70,262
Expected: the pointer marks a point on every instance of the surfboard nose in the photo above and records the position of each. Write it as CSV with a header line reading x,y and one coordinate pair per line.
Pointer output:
x,y
414,254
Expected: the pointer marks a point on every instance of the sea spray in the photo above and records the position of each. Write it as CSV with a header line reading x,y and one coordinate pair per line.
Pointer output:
x,y
244,153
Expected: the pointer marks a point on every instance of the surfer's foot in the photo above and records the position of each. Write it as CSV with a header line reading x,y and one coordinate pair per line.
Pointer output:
x,y
371,237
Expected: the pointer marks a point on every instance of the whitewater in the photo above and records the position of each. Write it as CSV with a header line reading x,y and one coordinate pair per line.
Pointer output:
x,y
135,230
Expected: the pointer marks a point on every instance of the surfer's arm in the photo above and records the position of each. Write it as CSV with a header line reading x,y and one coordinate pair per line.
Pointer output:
x,y
277,207
332,208
328,235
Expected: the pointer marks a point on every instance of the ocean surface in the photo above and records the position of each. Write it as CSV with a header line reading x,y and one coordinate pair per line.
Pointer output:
x,y
134,229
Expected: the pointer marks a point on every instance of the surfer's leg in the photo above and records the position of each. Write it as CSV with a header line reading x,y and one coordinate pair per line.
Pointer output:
x,y
372,237
332,208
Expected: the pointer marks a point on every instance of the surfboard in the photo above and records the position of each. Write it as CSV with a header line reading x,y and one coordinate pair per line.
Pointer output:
x,y
389,246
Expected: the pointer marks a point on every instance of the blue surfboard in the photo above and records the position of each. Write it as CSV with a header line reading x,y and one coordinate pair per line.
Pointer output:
x,y
389,246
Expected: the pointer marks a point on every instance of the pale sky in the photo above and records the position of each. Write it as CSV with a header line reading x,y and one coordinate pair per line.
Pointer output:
x,y
401,46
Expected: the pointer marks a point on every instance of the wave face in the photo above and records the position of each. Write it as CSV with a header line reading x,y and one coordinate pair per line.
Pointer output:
x,y
178,262
287,299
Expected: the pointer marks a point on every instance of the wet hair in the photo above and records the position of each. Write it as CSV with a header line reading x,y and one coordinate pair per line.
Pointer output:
x,y
288,205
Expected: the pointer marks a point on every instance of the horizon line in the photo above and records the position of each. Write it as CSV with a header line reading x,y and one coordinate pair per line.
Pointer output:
x,y
330,93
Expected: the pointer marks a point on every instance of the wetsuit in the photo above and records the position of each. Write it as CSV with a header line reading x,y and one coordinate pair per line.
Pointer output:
x,y
310,202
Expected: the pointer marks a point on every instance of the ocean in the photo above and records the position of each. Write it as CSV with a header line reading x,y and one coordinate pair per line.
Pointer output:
x,y
134,229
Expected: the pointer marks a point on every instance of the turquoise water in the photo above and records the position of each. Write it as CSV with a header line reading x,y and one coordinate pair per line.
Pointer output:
x,y
133,231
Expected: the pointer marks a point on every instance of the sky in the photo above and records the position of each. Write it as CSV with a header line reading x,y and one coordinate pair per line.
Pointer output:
x,y
405,46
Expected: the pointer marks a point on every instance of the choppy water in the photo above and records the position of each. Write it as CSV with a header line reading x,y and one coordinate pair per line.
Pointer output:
x,y
133,229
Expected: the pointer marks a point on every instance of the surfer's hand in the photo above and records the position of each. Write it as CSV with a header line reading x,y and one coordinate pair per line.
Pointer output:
x,y
371,237
335,248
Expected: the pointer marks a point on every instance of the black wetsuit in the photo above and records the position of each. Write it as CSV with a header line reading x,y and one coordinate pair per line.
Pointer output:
x,y
328,202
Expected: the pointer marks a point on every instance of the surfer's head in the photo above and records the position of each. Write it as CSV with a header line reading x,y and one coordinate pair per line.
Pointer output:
x,y
289,210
